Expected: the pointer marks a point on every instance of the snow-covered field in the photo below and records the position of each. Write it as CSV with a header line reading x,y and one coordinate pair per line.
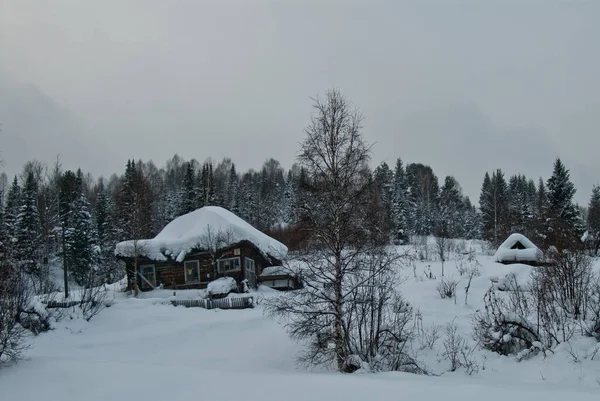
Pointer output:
x,y
145,350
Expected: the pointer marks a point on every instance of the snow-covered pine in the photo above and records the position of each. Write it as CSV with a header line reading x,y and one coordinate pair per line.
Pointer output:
x,y
424,198
593,220
564,226
29,242
400,206
493,203
12,208
82,242
188,197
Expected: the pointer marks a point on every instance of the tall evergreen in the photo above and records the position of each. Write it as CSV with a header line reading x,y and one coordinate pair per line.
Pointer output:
x,y
593,219
400,204
563,227
29,241
451,210
289,216
107,235
384,185
231,191
82,242
423,189
188,198
11,211
493,203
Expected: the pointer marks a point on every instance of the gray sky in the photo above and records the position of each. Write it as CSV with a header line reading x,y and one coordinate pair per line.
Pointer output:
x,y
464,87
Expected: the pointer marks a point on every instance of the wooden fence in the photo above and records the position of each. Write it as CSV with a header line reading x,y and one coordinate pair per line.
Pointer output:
x,y
223,303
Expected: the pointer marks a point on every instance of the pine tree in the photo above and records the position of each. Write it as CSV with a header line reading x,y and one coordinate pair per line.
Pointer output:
x,y
451,210
231,191
82,242
563,226
29,244
424,197
400,204
289,201
107,236
11,211
493,203
384,185
212,195
188,197
593,219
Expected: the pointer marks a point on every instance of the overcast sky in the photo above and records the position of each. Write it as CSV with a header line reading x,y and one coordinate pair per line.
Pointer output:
x,y
464,86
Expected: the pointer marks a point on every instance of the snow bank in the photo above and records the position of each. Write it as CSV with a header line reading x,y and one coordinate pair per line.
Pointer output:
x,y
221,286
210,226
505,254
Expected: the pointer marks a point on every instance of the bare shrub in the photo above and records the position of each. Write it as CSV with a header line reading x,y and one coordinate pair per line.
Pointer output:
x,y
430,336
447,288
458,352
472,272
443,247
13,299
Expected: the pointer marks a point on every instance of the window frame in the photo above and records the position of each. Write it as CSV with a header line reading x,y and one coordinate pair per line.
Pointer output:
x,y
185,269
246,260
221,271
142,268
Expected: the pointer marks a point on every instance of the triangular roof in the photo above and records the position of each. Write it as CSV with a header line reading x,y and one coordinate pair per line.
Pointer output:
x,y
207,227
506,253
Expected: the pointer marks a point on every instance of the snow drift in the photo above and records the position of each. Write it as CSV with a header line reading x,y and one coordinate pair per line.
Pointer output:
x,y
210,225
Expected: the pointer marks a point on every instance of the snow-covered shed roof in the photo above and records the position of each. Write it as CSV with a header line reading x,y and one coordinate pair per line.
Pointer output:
x,y
518,248
276,271
210,227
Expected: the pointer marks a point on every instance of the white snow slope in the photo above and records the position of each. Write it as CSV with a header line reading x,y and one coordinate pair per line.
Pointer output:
x,y
144,350
193,229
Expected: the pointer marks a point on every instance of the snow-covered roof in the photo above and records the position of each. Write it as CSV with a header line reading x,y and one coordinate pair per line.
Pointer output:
x,y
210,227
506,253
276,271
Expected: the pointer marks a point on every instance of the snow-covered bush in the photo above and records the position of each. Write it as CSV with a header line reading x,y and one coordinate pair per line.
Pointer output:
x,y
560,301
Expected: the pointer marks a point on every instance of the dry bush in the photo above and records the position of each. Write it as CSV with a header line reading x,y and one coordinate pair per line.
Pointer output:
x,y
458,352
447,288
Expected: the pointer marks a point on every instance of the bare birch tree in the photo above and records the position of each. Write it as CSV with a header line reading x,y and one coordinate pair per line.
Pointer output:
x,y
346,262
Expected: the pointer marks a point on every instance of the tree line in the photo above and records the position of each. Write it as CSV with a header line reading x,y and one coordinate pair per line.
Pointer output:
x,y
48,215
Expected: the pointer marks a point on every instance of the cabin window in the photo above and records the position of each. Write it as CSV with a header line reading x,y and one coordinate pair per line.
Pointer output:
x,y
192,271
250,265
149,273
228,265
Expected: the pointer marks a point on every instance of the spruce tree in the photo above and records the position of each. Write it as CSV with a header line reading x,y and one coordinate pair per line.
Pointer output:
x,y
400,206
493,203
563,227
188,194
450,218
289,201
82,242
29,242
11,211
593,219
231,191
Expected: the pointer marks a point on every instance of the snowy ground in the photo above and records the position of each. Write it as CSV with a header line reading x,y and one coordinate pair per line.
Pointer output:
x,y
142,349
